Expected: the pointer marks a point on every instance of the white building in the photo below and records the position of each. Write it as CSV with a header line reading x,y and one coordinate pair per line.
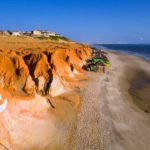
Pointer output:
x,y
45,33
37,33
52,33
59,35
7,33
48,34
27,33
16,33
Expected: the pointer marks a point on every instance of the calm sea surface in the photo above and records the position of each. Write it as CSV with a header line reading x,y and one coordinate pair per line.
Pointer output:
x,y
135,49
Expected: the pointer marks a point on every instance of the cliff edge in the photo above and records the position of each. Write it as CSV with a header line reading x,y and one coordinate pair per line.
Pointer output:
x,y
30,66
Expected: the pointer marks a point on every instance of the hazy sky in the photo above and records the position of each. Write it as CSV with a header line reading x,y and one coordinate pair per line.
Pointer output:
x,y
92,21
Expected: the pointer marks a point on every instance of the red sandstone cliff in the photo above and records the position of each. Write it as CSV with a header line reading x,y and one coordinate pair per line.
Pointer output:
x,y
48,70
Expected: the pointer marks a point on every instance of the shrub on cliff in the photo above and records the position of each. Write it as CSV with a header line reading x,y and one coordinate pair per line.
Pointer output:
x,y
55,38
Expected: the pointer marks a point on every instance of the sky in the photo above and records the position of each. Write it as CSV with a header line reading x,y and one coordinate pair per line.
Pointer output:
x,y
88,21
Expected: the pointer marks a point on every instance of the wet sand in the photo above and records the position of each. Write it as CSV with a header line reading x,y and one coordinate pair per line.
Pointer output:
x,y
140,90
137,76
114,110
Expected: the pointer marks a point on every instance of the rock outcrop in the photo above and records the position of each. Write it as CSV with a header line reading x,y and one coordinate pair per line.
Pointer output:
x,y
47,72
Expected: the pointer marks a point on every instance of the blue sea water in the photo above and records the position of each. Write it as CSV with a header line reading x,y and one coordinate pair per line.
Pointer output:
x,y
142,50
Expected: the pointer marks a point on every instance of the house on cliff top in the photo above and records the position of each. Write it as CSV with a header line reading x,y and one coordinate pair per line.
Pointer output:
x,y
16,33
44,33
37,33
30,33
48,34
5,33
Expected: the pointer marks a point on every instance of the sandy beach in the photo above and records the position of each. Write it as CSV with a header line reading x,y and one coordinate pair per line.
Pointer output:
x,y
114,112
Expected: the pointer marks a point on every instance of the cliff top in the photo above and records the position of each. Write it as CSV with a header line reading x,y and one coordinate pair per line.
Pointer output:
x,y
8,43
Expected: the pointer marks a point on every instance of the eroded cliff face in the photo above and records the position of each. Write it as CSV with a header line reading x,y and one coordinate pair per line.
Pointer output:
x,y
46,73
38,100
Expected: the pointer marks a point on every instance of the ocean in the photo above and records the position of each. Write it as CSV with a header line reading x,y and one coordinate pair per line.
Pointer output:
x,y
142,50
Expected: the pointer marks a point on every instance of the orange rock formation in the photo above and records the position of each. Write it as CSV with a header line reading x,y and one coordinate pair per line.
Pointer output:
x,y
46,69
31,73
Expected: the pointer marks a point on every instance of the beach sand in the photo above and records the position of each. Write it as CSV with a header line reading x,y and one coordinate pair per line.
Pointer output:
x,y
114,112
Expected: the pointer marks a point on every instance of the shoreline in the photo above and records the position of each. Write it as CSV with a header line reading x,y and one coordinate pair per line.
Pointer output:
x,y
109,117
137,79
126,50
127,53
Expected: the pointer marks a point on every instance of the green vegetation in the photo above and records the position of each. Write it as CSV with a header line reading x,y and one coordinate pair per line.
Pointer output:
x,y
55,38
